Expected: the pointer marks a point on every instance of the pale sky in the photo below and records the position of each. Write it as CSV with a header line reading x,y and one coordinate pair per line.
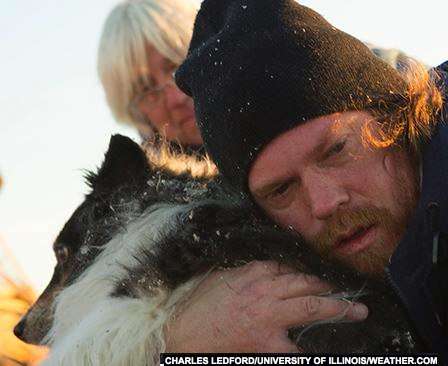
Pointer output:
x,y
55,122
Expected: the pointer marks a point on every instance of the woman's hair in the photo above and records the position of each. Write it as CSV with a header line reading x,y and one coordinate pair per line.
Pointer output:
x,y
409,123
131,26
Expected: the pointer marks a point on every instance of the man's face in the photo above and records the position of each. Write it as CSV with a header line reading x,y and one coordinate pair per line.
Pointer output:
x,y
350,201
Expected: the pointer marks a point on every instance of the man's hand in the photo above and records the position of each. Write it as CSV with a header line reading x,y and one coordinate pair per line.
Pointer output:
x,y
250,309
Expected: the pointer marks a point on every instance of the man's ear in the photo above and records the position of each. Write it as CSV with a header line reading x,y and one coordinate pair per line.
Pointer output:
x,y
125,164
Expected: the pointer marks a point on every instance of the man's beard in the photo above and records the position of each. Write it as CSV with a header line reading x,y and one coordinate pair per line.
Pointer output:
x,y
373,259
389,230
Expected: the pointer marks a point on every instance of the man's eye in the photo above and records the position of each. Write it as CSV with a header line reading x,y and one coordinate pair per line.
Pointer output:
x,y
281,196
281,189
336,148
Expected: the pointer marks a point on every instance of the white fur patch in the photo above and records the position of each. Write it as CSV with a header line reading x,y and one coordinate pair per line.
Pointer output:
x,y
90,328
119,332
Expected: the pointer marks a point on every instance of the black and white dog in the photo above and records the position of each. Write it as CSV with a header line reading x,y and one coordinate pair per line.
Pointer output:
x,y
144,237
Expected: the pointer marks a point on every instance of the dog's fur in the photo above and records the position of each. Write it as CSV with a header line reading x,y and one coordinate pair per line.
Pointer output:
x,y
144,237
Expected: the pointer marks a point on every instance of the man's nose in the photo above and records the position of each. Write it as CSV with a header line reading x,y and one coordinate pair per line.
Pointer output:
x,y
325,195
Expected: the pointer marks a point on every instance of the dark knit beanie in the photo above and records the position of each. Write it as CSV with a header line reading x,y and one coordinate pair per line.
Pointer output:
x,y
257,68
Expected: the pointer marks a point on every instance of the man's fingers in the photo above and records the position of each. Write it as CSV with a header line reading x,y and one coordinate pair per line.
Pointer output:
x,y
298,285
308,309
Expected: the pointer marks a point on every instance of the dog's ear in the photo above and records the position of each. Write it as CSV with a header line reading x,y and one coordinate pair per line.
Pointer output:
x,y
125,164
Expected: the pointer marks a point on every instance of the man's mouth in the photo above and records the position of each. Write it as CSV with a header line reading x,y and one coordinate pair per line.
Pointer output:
x,y
354,241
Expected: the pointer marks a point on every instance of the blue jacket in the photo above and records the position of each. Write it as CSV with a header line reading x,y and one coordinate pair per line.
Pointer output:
x,y
418,270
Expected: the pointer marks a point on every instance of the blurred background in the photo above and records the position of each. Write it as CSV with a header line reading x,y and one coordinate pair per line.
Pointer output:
x,y
54,122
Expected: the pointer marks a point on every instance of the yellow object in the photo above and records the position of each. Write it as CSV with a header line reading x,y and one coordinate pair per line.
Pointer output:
x,y
15,299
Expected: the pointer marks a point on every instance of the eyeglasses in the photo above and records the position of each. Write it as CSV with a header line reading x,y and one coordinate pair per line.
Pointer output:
x,y
152,96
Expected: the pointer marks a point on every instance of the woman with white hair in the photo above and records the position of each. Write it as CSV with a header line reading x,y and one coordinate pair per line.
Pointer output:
x,y
142,44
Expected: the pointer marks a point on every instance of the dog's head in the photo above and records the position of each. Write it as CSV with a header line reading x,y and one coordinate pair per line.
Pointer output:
x,y
104,211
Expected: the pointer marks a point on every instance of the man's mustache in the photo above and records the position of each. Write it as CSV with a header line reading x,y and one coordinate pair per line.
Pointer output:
x,y
347,222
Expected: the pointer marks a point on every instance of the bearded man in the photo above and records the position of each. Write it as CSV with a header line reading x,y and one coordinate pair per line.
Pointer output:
x,y
329,140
